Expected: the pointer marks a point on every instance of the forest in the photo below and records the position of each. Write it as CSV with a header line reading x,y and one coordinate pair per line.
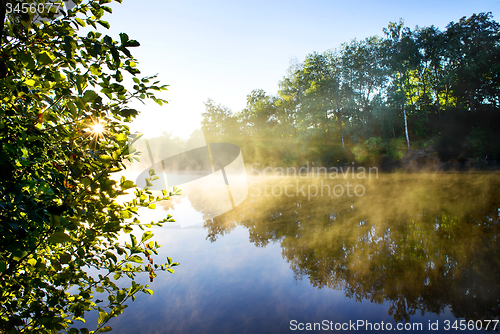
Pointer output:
x,y
374,101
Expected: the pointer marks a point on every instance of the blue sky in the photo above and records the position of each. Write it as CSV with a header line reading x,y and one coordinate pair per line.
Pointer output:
x,y
225,49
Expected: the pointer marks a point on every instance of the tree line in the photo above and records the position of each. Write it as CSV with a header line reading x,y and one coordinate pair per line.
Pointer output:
x,y
373,100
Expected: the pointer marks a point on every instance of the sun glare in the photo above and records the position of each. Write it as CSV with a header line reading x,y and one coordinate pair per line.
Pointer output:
x,y
97,130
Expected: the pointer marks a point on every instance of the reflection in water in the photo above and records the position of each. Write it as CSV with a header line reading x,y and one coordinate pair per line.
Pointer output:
x,y
421,242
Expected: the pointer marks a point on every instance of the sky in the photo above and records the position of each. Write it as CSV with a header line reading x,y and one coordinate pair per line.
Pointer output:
x,y
225,49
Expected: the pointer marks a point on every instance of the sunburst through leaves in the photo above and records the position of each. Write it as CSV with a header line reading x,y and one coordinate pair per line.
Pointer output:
x,y
96,131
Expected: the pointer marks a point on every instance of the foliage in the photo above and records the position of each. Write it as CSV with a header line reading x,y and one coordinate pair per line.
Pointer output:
x,y
477,142
369,151
396,148
217,114
415,83
63,137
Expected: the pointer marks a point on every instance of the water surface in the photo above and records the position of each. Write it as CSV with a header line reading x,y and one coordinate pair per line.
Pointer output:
x,y
403,249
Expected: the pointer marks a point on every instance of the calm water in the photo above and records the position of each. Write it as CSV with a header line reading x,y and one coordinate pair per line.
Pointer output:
x,y
398,249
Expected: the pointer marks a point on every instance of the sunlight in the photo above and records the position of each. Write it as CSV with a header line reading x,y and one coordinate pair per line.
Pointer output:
x,y
96,130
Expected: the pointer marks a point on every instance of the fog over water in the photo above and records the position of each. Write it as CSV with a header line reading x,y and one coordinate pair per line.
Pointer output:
x,y
412,248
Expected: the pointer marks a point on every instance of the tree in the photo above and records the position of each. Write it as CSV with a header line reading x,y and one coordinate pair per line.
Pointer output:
x,y
431,44
377,89
363,80
472,52
261,120
63,136
403,58
218,121
315,88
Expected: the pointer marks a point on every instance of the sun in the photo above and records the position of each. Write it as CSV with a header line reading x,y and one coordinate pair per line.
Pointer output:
x,y
96,130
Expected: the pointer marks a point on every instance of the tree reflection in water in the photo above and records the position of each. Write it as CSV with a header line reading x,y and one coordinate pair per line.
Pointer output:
x,y
423,242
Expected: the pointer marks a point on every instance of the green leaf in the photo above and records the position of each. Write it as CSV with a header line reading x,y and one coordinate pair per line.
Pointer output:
x,y
45,58
59,197
136,258
146,236
103,317
30,82
132,43
123,38
58,237
95,69
105,24
126,214
115,55
152,206
27,61
111,256
89,95
65,258
80,21
105,159
72,108
120,296
127,185
81,83
56,264
129,112
58,76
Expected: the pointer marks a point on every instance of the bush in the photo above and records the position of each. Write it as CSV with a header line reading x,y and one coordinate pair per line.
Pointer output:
x,y
478,143
63,135
369,151
397,148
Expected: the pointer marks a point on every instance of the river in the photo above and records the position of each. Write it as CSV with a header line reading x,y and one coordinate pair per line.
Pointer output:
x,y
326,252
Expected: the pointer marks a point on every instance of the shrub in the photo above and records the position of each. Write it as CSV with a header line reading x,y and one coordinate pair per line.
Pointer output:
x,y
397,148
63,134
369,151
